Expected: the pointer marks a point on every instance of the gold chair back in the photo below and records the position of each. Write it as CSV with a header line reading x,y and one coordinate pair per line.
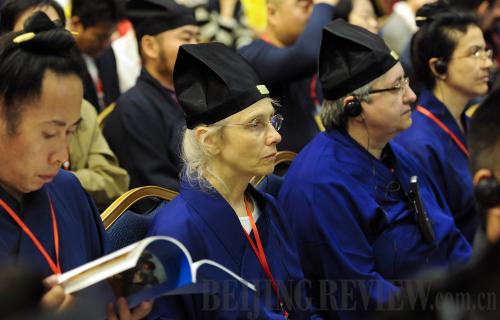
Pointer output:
x,y
126,200
101,117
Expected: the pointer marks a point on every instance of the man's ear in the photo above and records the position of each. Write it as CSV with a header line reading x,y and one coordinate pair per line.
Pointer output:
x,y
150,47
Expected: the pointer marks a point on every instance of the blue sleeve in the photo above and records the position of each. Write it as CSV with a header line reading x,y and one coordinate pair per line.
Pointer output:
x,y
275,65
440,167
459,249
332,222
82,229
424,152
333,243
98,243
297,286
102,239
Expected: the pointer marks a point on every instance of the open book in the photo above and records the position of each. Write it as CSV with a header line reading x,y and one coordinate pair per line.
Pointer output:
x,y
147,269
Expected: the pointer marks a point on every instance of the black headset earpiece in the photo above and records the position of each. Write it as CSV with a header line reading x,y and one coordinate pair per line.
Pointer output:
x,y
352,106
487,192
441,66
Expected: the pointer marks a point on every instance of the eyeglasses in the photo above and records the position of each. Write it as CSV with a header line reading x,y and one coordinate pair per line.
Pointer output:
x,y
399,86
482,54
259,124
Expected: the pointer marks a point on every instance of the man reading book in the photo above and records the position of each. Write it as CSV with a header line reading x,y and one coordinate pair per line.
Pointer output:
x,y
48,221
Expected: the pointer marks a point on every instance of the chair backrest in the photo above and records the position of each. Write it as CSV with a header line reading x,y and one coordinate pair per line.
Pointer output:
x,y
101,117
126,200
125,226
272,183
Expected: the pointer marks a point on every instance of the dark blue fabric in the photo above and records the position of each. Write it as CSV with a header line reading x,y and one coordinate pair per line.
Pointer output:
x,y
210,229
131,227
351,220
443,160
145,131
271,184
287,72
81,233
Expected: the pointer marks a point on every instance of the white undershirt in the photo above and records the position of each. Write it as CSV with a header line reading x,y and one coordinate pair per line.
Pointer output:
x,y
245,221
91,67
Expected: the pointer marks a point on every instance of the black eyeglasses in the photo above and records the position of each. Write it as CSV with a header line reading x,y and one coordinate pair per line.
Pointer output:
x,y
400,86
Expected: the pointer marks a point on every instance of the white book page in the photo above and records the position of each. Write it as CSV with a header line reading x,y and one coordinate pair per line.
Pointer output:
x,y
112,264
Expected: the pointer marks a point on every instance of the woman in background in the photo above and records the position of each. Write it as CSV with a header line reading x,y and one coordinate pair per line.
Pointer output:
x,y
452,63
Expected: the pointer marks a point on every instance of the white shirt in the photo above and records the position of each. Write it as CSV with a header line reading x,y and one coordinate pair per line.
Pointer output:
x,y
245,221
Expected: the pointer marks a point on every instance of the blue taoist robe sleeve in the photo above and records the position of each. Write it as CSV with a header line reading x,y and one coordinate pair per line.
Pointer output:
x,y
443,160
275,65
209,228
352,222
81,233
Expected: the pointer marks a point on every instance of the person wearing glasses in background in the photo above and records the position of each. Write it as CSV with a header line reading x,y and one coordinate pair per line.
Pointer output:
x,y
452,63
354,212
231,136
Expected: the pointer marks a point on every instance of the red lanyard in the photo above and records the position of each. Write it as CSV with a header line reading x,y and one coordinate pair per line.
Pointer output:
x,y
261,255
429,115
312,91
54,266
264,37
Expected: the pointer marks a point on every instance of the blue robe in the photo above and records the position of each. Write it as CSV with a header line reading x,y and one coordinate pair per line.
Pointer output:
x,y
443,160
81,233
351,221
209,228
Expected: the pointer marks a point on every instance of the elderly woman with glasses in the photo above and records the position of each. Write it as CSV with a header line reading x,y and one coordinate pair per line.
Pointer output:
x,y
231,136
452,63
363,211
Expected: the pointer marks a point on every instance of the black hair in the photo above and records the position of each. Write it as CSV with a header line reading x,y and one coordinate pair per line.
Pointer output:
x,y
483,139
470,5
435,38
23,64
483,136
11,10
343,9
92,12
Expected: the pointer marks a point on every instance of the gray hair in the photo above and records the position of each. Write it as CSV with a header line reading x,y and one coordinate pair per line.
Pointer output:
x,y
195,156
332,111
